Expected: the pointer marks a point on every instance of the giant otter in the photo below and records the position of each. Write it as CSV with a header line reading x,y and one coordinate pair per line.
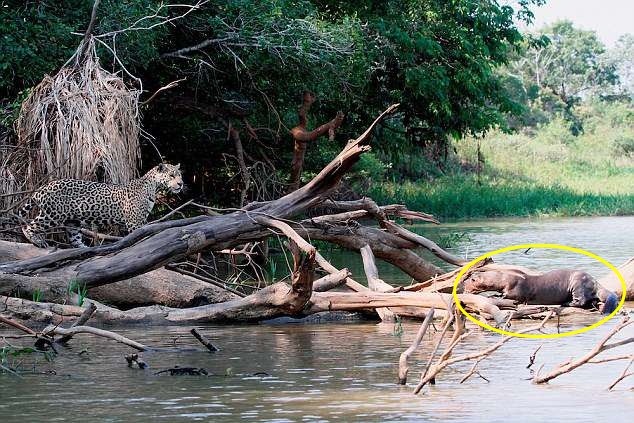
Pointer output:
x,y
563,286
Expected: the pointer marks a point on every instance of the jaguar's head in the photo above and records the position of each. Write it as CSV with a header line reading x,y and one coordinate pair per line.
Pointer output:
x,y
168,177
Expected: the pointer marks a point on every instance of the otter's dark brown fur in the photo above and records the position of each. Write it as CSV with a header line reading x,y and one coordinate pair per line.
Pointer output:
x,y
568,287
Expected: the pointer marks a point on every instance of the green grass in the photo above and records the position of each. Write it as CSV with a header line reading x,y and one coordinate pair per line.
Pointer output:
x,y
464,198
549,172
37,295
77,287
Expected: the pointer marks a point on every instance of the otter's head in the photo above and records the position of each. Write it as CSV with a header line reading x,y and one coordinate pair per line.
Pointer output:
x,y
606,301
610,303
168,177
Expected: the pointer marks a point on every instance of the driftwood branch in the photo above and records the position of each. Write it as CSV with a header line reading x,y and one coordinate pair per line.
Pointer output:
x,y
328,267
601,346
331,280
56,330
163,88
625,374
403,368
82,320
375,283
441,364
425,243
17,325
203,340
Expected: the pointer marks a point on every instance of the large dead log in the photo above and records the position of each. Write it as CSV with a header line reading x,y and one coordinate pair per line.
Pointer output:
x,y
153,246
279,299
160,286
384,245
276,300
163,287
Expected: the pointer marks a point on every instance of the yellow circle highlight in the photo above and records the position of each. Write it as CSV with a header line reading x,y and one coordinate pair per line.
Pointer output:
x,y
537,245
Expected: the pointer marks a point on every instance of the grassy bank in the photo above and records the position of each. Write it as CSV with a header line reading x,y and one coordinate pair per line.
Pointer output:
x,y
547,172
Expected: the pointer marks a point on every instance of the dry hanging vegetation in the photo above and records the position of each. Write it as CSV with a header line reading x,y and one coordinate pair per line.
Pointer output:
x,y
82,121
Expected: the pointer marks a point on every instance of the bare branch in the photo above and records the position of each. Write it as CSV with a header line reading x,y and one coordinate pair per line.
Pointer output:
x,y
166,87
601,346
138,25
443,363
623,375
403,368
55,330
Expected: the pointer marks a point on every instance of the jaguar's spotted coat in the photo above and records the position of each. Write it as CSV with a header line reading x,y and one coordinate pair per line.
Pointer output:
x,y
73,203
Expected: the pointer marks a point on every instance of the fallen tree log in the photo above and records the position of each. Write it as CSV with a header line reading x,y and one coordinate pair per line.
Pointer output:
x,y
384,245
280,299
273,301
160,286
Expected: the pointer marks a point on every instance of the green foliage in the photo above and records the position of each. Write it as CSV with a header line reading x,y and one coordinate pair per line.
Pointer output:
x,y
573,62
622,58
459,68
452,239
556,132
36,40
37,296
623,145
272,270
468,197
554,70
76,287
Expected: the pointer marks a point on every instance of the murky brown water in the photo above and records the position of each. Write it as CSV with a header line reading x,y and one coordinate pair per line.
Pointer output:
x,y
342,372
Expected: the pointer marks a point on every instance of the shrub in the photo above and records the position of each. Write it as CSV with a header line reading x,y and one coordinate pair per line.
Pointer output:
x,y
623,144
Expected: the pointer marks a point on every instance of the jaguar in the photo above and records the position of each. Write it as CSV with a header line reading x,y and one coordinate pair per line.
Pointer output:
x,y
74,203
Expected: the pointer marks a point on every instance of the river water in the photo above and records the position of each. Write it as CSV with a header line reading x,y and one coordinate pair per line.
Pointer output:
x,y
345,371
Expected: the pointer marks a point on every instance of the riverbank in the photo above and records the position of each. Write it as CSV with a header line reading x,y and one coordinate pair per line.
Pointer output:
x,y
547,172
466,197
